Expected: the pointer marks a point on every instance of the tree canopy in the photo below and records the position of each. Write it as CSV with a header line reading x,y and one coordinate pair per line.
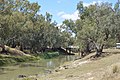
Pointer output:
x,y
21,24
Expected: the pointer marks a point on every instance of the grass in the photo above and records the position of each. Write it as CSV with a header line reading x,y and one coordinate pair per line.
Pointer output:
x,y
49,55
112,73
8,59
115,69
105,68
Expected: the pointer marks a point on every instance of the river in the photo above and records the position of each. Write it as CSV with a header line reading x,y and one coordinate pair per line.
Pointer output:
x,y
32,68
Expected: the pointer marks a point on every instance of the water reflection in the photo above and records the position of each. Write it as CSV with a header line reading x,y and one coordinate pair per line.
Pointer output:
x,y
50,64
29,65
70,58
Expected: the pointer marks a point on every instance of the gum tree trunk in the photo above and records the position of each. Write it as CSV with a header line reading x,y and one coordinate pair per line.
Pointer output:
x,y
2,48
99,50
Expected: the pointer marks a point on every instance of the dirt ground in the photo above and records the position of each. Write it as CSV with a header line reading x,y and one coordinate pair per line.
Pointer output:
x,y
106,67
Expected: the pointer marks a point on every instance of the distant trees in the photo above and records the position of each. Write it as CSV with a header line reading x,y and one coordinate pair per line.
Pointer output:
x,y
21,25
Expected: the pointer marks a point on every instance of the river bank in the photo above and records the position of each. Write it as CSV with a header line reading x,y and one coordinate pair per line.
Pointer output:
x,y
42,66
106,67
12,59
9,59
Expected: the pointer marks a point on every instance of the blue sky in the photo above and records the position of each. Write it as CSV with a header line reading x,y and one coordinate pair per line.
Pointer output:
x,y
64,9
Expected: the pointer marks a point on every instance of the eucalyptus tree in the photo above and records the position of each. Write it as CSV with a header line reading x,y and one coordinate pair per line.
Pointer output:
x,y
68,30
96,25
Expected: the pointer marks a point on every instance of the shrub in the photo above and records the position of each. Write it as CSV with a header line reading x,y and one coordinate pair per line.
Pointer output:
x,y
115,69
48,55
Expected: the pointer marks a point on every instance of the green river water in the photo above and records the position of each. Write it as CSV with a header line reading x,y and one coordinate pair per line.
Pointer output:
x,y
32,68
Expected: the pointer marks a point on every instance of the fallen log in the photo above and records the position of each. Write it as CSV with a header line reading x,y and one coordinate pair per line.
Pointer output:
x,y
14,51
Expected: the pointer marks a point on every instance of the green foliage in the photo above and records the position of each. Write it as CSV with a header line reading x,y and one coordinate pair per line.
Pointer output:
x,y
21,25
97,23
6,60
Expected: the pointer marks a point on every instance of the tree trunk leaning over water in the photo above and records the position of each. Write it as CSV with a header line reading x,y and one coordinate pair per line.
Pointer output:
x,y
12,51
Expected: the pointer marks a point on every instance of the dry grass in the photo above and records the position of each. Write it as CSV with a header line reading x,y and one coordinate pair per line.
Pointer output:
x,y
106,68
112,51
115,69
112,72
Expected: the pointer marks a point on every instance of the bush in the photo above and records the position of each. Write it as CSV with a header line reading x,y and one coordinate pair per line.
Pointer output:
x,y
49,55
115,69
110,43
5,60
